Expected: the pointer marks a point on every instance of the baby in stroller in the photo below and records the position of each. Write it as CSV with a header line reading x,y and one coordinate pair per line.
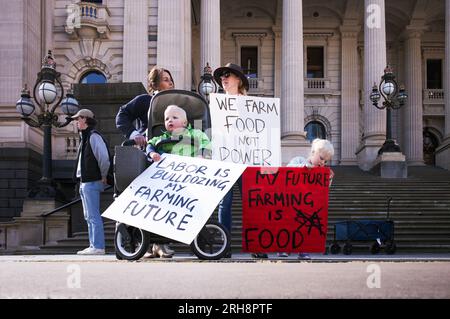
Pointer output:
x,y
179,138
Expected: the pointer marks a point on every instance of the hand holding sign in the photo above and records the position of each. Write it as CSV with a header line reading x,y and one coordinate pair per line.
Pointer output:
x,y
286,211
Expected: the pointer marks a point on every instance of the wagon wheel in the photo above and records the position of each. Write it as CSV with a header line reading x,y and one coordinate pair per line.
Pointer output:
x,y
390,248
335,248
375,248
347,249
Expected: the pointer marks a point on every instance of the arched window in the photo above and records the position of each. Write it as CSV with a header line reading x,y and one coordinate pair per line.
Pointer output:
x,y
93,77
315,129
430,143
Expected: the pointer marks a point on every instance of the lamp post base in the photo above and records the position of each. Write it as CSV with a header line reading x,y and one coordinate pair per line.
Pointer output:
x,y
389,146
44,189
391,165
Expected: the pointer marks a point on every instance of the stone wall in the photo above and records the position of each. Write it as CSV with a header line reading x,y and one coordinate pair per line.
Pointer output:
x,y
20,168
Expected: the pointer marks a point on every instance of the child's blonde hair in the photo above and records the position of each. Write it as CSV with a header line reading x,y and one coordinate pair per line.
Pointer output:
x,y
322,146
177,109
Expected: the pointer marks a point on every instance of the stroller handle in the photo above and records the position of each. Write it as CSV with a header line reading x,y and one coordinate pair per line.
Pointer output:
x,y
128,143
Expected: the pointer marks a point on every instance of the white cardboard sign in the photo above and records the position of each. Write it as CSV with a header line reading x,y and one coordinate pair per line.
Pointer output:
x,y
246,129
175,197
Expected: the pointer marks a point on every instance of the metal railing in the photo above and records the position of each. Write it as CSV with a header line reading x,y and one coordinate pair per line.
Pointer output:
x,y
433,95
58,209
317,84
253,83
88,9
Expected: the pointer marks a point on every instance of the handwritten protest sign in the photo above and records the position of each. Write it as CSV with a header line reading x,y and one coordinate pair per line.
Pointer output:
x,y
175,196
285,211
246,129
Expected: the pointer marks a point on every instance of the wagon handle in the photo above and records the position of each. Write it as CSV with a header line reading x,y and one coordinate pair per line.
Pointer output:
x,y
388,206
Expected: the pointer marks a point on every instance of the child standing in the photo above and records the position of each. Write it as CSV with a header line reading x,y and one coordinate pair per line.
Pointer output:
x,y
322,152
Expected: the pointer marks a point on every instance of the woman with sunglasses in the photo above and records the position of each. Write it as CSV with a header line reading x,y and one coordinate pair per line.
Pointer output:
x,y
233,81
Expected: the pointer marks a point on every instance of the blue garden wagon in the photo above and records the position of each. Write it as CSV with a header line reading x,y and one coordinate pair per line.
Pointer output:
x,y
381,232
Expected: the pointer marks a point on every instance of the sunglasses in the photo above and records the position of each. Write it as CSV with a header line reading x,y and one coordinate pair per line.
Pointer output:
x,y
225,74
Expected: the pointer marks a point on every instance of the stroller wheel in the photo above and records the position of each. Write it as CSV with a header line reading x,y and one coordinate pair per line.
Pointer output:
x,y
130,242
390,248
375,248
213,242
347,249
335,248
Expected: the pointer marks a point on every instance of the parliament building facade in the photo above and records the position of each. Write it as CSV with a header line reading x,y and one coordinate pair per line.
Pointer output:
x,y
320,57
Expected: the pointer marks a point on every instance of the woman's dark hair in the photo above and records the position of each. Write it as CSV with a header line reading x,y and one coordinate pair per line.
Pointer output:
x,y
154,78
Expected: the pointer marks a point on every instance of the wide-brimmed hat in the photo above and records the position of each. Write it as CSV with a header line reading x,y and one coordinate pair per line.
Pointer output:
x,y
84,113
233,68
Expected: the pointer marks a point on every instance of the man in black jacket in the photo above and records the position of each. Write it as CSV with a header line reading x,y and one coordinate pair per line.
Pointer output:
x,y
93,163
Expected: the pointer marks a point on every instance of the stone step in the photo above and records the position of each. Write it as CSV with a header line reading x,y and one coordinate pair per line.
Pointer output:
x,y
420,209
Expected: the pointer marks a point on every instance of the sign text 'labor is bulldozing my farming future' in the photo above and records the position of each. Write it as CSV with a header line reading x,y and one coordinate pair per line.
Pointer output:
x,y
175,197
285,209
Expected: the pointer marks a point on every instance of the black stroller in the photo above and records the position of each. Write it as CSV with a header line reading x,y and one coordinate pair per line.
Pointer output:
x,y
131,243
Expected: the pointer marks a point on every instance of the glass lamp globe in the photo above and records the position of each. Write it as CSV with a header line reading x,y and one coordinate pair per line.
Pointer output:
x,y
375,95
25,106
69,105
47,92
402,96
207,88
388,88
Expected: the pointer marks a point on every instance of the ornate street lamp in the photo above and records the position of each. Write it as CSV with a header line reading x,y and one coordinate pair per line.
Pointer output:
x,y
47,94
207,84
394,98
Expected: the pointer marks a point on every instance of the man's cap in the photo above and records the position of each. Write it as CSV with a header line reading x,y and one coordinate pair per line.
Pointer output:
x,y
84,113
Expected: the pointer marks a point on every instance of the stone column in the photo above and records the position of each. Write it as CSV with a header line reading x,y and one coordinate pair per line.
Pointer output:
x,y
188,62
48,12
174,41
443,151
350,95
447,71
412,110
293,135
135,41
374,65
277,61
210,34
21,57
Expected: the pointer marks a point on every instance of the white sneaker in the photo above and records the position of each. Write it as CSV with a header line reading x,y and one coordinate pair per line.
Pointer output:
x,y
82,252
91,251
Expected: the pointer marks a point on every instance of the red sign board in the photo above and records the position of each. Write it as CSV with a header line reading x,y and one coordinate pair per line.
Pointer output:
x,y
285,209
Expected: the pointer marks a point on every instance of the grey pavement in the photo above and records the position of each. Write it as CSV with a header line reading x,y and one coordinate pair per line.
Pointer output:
x,y
241,257
186,277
